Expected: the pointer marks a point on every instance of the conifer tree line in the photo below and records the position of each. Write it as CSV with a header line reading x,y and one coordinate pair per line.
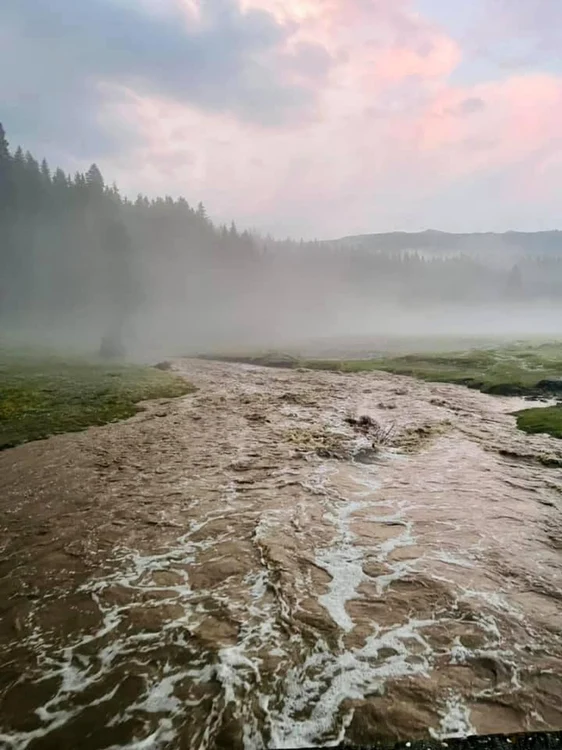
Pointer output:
x,y
75,253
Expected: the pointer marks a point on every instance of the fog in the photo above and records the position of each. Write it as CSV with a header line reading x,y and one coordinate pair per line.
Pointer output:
x,y
80,263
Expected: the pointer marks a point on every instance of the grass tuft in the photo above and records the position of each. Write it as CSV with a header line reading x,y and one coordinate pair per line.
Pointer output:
x,y
43,395
541,421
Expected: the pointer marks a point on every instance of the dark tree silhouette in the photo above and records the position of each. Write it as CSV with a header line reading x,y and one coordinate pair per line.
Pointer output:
x,y
514,285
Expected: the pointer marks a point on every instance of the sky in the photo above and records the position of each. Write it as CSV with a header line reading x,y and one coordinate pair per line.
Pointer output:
x,y
302,118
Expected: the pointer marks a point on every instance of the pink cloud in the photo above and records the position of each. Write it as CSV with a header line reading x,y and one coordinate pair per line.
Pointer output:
x,y
389,136
522,112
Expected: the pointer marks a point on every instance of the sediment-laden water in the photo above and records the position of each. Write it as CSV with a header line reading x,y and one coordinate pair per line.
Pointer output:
x,y
249,567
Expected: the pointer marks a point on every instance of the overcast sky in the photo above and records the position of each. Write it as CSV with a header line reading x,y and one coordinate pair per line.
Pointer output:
x,y
314,118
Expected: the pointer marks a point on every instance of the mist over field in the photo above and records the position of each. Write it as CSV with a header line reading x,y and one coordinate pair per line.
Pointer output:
x,y
80,262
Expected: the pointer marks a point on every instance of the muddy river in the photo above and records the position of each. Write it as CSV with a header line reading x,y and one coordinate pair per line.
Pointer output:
x,y
282,559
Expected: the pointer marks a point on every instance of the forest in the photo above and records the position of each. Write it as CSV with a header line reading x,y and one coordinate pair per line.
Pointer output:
x,y
79,261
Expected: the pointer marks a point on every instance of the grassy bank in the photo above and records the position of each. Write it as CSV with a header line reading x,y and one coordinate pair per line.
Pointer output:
x,y
539,421
533,370
42,395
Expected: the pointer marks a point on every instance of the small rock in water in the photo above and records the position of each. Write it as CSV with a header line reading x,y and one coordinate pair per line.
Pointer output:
x,y
364,422
256,417
366,456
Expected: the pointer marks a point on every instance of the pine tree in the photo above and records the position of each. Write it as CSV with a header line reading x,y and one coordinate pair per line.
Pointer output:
x,y
45,173
202,212
94,178
31,164
6,219
60,180
19,158
4,147
5,172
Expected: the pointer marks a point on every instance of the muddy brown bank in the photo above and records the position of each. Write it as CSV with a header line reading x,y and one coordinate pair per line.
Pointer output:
x,y
240,568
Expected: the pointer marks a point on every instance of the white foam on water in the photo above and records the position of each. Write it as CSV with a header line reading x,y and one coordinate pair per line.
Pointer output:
x,y
285,682
494,600
79,666
455,720
340,676
344,564
345,558
328,677
449,559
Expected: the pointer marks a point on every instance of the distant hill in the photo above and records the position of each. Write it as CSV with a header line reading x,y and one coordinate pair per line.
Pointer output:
x,y
434,243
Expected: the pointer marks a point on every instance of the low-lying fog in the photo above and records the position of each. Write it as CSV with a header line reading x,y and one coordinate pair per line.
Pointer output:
x,y
153,334
79,263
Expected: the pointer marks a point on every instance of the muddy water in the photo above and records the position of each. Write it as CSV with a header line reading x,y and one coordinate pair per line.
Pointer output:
x,y
239,568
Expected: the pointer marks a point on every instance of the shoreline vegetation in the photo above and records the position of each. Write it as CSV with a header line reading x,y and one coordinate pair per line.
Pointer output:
x,y
532,371
44,394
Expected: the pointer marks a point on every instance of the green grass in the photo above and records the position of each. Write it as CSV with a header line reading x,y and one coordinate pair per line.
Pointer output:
x,y
43,394
507,372
521,369
539,421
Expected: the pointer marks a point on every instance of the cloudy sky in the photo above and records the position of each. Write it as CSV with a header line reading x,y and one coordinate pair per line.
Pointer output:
x,y
314,118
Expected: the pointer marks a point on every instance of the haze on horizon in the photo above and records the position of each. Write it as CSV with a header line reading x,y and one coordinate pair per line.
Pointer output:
x,y
312,118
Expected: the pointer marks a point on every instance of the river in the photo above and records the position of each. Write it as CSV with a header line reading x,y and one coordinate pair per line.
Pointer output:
x,y
283,559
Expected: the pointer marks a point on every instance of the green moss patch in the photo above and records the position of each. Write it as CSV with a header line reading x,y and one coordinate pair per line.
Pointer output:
x,y
541,421
42,395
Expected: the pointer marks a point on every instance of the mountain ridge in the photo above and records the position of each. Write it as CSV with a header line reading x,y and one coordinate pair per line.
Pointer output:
x,y
545,242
